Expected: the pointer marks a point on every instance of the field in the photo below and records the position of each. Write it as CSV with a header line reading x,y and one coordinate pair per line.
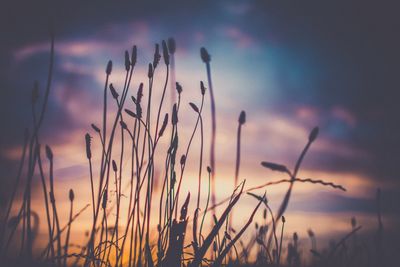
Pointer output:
x,y
173,235
179,133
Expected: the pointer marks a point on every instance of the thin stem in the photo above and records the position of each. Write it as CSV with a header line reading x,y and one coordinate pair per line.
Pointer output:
x,y
68,233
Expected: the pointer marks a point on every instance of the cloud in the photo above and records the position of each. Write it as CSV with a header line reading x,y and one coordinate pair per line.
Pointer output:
x,y
241,39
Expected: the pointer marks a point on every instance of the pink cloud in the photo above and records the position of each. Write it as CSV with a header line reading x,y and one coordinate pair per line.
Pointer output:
x,y
344,115
241,39
307,113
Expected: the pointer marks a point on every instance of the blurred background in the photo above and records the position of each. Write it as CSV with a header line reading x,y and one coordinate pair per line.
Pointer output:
x,y
290,66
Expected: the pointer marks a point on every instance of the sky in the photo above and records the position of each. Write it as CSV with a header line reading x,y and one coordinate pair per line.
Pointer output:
x,y
290,66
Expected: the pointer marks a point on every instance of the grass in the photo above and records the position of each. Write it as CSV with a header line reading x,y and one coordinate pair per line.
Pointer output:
x,y
135,242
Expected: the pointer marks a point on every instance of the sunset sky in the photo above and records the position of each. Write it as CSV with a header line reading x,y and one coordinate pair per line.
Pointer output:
x,y
290,67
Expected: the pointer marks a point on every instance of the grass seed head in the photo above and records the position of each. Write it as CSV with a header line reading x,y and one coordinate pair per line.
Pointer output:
x,y
274,166
49,153
88,143
127,61
242,117
353,222
174,115
139,94
194,107
310,233
134,56
71,195
130,113
171,45
313,135
123,125
183,159
104,202
157,56
114,165
165,53
150,71
94,127
113,91
202,88
205,56
109,67
164,125
178,88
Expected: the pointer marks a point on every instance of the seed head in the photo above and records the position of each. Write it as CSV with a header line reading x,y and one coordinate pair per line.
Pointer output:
x,y
242,117
214,246
109,67
49,153
202,88
274,166
164,125
139,94
165,52
178,88
130,113
123,125
133,56
150,71
353,222
113,91
194,107
313,135
88,140
174,119
205,56
208,169
139,110
183,160
104,203
127,61
310,233
95,128
157,56
71,195
171,46
114,165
